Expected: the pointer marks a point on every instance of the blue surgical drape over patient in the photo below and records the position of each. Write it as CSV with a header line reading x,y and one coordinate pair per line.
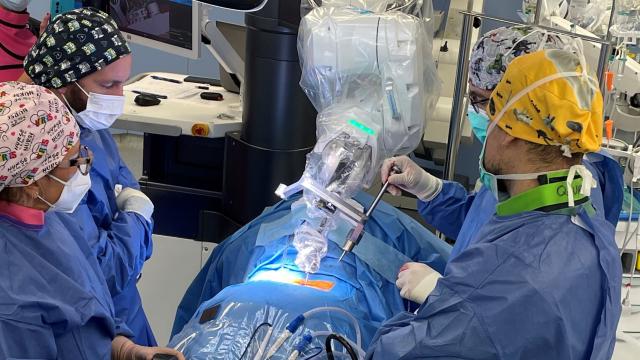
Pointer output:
x,y
238,257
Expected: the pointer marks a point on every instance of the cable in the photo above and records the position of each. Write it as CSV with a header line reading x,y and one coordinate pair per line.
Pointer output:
x,y
627,235
635,143
349,316
627,298
318,348
358,349
343,342
253,335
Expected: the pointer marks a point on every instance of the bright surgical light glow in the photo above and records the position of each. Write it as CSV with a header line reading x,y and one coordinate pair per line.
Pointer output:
x,y
281,275
286,276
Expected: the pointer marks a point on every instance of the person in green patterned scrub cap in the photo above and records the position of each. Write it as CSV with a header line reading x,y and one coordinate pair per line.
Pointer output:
x,y
83,57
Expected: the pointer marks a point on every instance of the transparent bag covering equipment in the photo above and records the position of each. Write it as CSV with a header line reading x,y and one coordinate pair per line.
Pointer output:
x,y
626,20
591,15
418,8
368,70
243,330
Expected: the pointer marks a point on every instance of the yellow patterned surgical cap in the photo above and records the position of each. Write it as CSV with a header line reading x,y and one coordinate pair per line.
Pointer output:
x,y
565,112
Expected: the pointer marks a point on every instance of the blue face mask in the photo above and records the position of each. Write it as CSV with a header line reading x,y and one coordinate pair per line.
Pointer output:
x,y
479,123
487,179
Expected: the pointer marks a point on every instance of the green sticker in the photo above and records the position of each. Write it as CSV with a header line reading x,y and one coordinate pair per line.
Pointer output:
x,y
360,126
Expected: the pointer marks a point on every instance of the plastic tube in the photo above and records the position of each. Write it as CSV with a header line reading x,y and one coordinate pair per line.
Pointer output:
x,y
293,326
300,346
343,312
358,349
263,345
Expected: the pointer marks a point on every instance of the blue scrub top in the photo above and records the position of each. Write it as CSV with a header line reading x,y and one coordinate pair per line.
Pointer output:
x,y
460,214
54,302
531,286
121,241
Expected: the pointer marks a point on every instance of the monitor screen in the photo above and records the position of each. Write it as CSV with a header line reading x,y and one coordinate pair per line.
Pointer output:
x,y
170,22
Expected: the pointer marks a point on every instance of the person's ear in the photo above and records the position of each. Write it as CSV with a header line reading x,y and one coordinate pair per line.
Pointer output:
x,y
64,90
32,191
508,140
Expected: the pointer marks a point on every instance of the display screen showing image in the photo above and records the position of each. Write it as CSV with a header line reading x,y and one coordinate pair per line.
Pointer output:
x,y
167,21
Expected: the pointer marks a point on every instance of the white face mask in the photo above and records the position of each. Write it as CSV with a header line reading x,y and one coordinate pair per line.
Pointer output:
x,y
15,5
101,111
74,190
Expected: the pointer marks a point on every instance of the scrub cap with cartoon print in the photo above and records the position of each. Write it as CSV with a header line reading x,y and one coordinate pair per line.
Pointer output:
x,y
497,48
75,44
36,132
548,98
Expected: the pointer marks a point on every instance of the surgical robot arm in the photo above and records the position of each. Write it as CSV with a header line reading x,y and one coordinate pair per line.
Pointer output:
x,y
371,78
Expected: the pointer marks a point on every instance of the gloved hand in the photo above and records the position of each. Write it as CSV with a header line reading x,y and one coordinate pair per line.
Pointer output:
x,y
412,179
124,349
416,281
132,200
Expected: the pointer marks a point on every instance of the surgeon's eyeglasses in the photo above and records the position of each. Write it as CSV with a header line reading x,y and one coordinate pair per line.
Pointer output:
x,y
82,161
478,103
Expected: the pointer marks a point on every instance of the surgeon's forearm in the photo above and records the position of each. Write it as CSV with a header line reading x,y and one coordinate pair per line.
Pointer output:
x,y
124,248
448,210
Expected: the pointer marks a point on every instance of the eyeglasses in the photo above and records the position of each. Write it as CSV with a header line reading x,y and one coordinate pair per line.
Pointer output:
x,y
82,161
478,103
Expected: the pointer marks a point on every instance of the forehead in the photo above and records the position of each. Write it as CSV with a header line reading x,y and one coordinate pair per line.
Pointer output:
x,y
119,71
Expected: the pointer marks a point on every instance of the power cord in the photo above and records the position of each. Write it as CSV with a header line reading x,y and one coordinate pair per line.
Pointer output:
x,y
343,342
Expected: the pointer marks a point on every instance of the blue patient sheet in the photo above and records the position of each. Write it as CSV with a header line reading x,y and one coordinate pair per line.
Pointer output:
x,y
250,289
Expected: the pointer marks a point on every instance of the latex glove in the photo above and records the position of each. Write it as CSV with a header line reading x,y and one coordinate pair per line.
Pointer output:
x,y
416,281
412,179
132,200
124,349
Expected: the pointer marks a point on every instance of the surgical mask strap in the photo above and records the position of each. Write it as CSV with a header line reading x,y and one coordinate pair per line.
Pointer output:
x,y
72,110
45,201
81,88
588,182
531,87
57,179
52,206
528,176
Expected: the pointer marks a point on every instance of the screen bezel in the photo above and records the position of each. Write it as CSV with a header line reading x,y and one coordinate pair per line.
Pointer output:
x,y
193,53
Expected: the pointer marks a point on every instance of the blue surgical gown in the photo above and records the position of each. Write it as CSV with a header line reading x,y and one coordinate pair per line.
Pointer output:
x,y
120,240
54,302
460,214
531,286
